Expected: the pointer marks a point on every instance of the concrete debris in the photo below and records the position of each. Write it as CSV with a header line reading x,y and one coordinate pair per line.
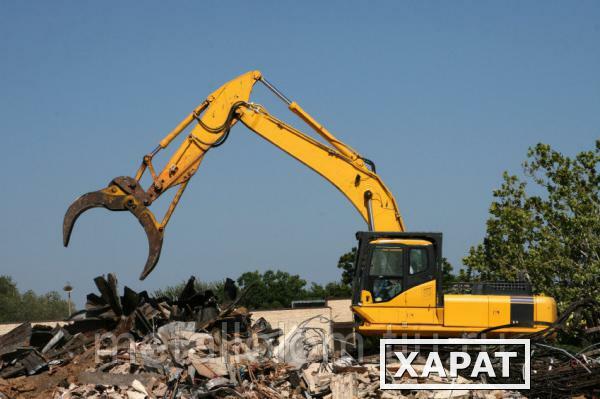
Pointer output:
x,y
210,367
116,379
317,378
304,344
344,386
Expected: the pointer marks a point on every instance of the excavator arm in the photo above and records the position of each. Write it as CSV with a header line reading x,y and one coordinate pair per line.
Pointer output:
x,y
213,119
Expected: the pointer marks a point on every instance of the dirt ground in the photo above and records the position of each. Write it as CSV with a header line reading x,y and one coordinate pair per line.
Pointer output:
x,y
44,385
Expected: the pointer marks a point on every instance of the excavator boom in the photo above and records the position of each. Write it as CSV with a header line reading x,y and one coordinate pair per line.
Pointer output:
x,y
213,119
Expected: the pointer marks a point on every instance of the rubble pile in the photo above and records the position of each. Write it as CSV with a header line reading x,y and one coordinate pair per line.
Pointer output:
x,y
135,346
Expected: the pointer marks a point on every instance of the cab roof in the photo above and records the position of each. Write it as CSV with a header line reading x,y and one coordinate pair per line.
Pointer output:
x,y
401,241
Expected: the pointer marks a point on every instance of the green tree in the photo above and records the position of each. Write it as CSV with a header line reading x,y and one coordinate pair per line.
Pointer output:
x,y
277,289
546,227
272,289
17,307
333,290
448,276
346,263
9,300
464,275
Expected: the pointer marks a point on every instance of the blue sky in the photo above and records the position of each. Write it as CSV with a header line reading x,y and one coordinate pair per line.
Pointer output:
x,y
443,96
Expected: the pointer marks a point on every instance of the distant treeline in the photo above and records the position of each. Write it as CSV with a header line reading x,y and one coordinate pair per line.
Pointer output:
x,y
29,306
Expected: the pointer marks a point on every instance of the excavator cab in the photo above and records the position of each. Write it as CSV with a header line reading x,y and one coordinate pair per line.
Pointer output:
x,y
390,264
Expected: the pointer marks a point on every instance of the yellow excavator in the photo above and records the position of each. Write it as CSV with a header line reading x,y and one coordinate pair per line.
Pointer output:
x,y
397,284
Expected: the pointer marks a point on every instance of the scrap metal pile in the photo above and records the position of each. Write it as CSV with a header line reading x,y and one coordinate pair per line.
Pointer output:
x,y
141,347
136,346
564,372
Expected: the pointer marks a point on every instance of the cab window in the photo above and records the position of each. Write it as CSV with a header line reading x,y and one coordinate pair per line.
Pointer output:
x,y
418,260
386,272
387,261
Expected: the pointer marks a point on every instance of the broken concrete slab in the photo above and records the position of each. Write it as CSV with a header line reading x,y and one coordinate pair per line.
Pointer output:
x,y
344,386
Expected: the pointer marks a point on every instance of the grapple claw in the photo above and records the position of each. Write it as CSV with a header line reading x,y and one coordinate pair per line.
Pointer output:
x,y
122,194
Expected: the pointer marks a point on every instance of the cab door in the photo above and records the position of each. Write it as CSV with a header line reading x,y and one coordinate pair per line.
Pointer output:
x,y
421,284
420,264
